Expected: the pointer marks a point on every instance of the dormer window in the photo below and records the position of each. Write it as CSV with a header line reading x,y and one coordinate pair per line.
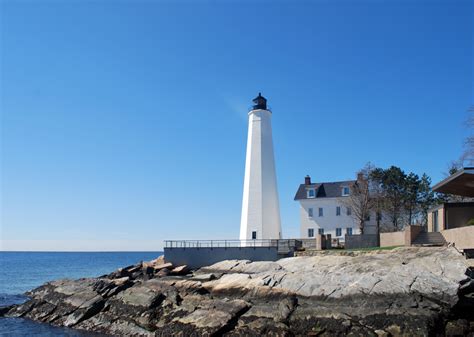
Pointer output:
x,y
311,193
345,191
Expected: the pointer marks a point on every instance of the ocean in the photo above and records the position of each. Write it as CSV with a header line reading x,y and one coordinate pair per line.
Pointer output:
x,y
22,271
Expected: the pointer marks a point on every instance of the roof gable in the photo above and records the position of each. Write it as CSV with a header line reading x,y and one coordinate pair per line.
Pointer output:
x,y
323,190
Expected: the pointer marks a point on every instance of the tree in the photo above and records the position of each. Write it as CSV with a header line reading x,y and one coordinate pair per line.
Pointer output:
x,y
392,184
426,198
392,194
412,193
359,199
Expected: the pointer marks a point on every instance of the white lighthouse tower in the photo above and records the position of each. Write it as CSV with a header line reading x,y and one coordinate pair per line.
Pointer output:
x,y
260,207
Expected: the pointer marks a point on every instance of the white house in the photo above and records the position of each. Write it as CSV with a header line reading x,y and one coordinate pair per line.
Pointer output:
x,y
323,210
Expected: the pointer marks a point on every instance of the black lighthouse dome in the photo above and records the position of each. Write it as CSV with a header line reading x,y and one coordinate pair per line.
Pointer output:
x,y
260,102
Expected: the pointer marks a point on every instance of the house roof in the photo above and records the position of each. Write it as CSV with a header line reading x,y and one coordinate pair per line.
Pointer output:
x,y
460,183
323,190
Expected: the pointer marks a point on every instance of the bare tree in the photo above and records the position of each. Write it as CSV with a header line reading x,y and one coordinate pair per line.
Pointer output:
x,y
359,199
468,155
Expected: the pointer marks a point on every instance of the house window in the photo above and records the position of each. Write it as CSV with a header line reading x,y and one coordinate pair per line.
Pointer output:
x,y
320,211
349,211
338,231
254,235
311,193
345,191
338,210
310,232
367,218
321,231
310,212
349,231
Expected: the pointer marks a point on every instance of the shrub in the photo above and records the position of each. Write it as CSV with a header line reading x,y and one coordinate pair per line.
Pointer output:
x,y
470,222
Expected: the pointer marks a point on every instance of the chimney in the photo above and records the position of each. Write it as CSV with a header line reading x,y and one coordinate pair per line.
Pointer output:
x,y
307,180
360,176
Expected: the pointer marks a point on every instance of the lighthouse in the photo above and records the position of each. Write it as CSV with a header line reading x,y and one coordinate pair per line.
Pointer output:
x,y
260,207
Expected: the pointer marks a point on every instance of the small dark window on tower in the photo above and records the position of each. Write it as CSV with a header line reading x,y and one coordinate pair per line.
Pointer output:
x,y
254,235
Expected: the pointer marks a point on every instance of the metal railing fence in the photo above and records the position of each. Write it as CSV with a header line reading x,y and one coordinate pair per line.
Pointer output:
x,y
280,244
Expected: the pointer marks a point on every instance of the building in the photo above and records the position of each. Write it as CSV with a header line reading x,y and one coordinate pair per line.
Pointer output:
x,y
451,219
324,209
450,215
260,218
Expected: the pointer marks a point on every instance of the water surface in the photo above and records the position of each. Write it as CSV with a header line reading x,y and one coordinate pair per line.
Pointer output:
x,y
23,271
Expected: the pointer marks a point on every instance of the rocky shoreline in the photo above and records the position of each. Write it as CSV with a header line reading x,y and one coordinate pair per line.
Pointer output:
x,y
402,292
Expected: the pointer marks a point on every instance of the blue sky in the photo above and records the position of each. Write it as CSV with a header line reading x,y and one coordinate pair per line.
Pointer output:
x,y
124,122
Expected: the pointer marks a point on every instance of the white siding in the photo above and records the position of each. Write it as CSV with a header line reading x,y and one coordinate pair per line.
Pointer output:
x,y
330,221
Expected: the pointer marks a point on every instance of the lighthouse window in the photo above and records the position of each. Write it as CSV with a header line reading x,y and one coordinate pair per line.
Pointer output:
x,y
311,193
254,235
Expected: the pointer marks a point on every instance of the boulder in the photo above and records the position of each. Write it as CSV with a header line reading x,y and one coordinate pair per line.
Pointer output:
x,y
158,261
181,270
162,266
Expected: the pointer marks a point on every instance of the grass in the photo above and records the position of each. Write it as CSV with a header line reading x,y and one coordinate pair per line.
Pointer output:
x,y
372,249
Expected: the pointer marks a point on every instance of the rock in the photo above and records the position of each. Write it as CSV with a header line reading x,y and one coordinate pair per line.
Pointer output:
x,y
139,296
132,269
224,266
213,315
111,325
459,327
394,330
85,310
163,266
381,333
285,308
163,272
158,261
206,277
403,292
181,270
4,310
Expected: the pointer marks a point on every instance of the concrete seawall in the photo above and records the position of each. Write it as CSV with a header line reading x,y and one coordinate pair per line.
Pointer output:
x,y
204,256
